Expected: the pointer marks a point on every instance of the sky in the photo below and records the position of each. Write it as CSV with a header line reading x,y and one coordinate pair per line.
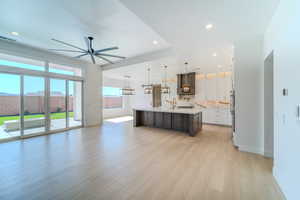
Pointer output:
x,y
10,83
111,91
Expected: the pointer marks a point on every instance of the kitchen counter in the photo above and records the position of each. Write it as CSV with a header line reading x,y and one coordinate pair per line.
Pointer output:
x,y
169,110
187,120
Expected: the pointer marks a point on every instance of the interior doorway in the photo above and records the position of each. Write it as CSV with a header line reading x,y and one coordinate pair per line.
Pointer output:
x,y
269,105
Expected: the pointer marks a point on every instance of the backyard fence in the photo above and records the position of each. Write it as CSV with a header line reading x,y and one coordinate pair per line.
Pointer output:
x,y
10,105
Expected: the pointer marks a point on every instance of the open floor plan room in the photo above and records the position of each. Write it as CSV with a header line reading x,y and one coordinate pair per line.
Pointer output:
x,y
149,99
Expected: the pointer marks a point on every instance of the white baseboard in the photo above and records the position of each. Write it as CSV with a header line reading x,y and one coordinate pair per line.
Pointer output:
x,y
277,183
251,149
268,154
216,124
92,125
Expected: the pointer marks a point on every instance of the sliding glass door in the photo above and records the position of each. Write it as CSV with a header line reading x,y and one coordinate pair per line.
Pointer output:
x,y
58,104
10,112
74,103
34,105
37,103
65,104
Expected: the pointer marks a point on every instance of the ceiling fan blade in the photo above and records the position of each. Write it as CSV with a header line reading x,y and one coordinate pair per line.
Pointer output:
x,y
93,59
79,56
109,55
67,44
104,59
107,49
87,42
66,50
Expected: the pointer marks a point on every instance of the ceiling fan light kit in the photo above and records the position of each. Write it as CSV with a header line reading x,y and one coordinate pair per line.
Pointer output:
x,y
89,51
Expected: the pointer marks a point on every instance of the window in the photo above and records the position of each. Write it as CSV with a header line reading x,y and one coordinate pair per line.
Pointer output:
x,y
61,69
25,63
112,98
34,101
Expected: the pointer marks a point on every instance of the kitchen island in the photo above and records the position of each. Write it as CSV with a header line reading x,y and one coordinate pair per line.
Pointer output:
x,y
187,120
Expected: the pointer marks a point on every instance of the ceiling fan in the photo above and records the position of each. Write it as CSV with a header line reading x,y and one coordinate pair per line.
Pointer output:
x,y
89,51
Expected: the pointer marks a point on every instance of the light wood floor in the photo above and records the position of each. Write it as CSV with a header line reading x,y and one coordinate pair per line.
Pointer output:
x,y
118,162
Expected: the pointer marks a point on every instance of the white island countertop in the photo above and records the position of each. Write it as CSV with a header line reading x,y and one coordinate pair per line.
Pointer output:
x,y
191,111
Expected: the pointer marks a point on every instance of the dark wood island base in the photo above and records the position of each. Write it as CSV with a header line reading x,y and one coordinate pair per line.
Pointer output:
x,y
190,123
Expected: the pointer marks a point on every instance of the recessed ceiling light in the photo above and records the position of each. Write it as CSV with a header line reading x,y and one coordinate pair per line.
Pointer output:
x,y
209,26
14,33
214,55
155,42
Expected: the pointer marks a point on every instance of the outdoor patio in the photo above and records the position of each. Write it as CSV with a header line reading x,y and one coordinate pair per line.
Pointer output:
x,y
55,125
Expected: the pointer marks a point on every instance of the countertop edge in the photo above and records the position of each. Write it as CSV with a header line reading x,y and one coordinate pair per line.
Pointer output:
x,y
169,111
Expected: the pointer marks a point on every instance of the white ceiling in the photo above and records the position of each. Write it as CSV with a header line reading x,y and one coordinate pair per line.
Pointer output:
x,y
134,24
182,25
109,21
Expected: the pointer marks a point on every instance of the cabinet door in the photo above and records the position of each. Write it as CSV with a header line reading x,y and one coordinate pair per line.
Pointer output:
x,y
191,80
158,120
167,120
148,118
179,82
211,89
177,120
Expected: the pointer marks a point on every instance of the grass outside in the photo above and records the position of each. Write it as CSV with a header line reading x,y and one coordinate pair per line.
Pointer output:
x,y
52,116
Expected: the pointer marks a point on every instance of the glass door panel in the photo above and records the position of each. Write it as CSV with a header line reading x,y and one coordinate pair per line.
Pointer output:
x,y
10,122
57,103
75,103
34,105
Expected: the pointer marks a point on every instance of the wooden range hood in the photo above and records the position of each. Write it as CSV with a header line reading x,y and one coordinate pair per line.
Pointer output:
x,y
186,83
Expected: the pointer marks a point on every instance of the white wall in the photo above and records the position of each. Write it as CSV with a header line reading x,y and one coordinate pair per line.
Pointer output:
x,y
282,36
249,110
268,106
93,95
92,74
116,112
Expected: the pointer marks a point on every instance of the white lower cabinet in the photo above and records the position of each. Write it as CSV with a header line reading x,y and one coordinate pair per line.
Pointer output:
x,y
220,116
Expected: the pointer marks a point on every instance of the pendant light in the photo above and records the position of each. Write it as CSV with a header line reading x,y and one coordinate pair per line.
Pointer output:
x,y
148,86
127,90
165,89
185,86
186,67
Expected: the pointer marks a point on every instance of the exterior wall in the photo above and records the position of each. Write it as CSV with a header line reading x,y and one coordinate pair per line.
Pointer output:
x,y
10,105
112,102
